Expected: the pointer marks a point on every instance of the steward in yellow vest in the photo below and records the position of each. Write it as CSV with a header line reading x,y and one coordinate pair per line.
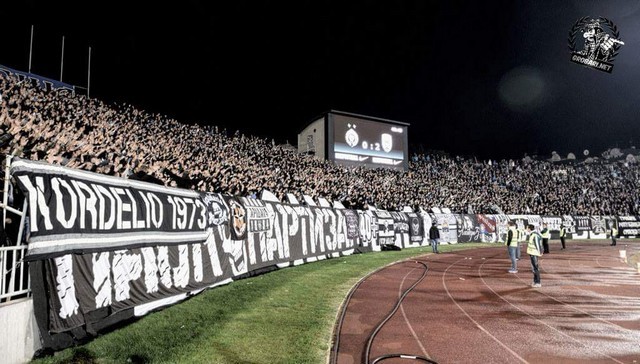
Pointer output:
x,y
546,234
512,246
534,250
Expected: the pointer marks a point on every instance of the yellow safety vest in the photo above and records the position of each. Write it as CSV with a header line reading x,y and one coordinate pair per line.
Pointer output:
x,y
514,236
533,245
546,235
563,232
522,236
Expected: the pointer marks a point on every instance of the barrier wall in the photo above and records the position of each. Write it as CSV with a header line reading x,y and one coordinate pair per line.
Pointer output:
x,y
19,337
105,249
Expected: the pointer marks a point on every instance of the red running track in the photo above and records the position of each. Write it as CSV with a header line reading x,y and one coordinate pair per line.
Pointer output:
x,y
469,309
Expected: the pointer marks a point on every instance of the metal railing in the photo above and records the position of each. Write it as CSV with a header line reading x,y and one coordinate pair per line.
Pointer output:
x,y
15,281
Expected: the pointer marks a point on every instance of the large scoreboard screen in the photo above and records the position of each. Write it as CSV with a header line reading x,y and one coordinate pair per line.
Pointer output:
x,y
358,141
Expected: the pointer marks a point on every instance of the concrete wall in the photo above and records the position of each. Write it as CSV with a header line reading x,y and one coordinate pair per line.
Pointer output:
x,y
314,132
19,335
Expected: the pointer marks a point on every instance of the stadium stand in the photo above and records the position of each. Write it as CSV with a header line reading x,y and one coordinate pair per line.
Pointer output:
x,y
121,140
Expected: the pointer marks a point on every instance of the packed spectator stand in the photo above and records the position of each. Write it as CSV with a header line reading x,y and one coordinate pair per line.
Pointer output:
x,y
121,140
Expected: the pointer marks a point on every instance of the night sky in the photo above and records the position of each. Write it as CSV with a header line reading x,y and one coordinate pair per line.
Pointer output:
x,y
486,78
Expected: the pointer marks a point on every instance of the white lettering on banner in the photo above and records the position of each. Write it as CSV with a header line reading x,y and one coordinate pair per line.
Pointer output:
x,y
400,222
251,246
569,224
147,206
102,279
197,262
331,239
293,213
341,231
301,212
150,270
210,243
309,246
631,232
180,218
163,266
114,273
553,223
105,207
181,272
184,212
365,227
65,286
136,224
274,235
126,268
37,203
285,213
237,253
101,192
267,247
317,231
629,224
386,234
340,235
120,208
157,213
60,213
87,203
627,218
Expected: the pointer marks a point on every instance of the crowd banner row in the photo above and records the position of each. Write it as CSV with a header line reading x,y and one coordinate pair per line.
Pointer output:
x,y
105,249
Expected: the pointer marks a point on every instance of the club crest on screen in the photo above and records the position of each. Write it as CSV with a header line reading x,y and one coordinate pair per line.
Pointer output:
x,y
351,137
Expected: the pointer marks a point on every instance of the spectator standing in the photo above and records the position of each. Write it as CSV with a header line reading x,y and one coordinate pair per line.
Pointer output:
x,y
522,238
534,249
512,246
434,236
563,234
614,234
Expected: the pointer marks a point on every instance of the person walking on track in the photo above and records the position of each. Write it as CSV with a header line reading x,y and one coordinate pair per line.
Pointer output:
x,y
563,234
534,249
512,246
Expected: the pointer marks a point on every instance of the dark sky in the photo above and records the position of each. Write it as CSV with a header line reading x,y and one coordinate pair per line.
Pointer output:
x,y
488,78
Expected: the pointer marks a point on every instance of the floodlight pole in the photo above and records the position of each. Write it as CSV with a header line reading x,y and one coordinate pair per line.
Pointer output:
x,y
31,48
62,59
89,73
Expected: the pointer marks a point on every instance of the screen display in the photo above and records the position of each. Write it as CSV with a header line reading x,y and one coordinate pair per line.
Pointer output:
x,y
365,142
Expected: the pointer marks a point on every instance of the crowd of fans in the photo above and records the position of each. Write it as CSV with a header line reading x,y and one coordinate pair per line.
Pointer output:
x,y
78,132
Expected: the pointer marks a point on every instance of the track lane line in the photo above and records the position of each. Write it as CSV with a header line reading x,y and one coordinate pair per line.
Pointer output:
x,y
539,320
473,320
406,319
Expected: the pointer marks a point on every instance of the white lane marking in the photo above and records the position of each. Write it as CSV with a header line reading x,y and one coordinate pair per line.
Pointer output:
x,y
406,320
474,321
537,319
